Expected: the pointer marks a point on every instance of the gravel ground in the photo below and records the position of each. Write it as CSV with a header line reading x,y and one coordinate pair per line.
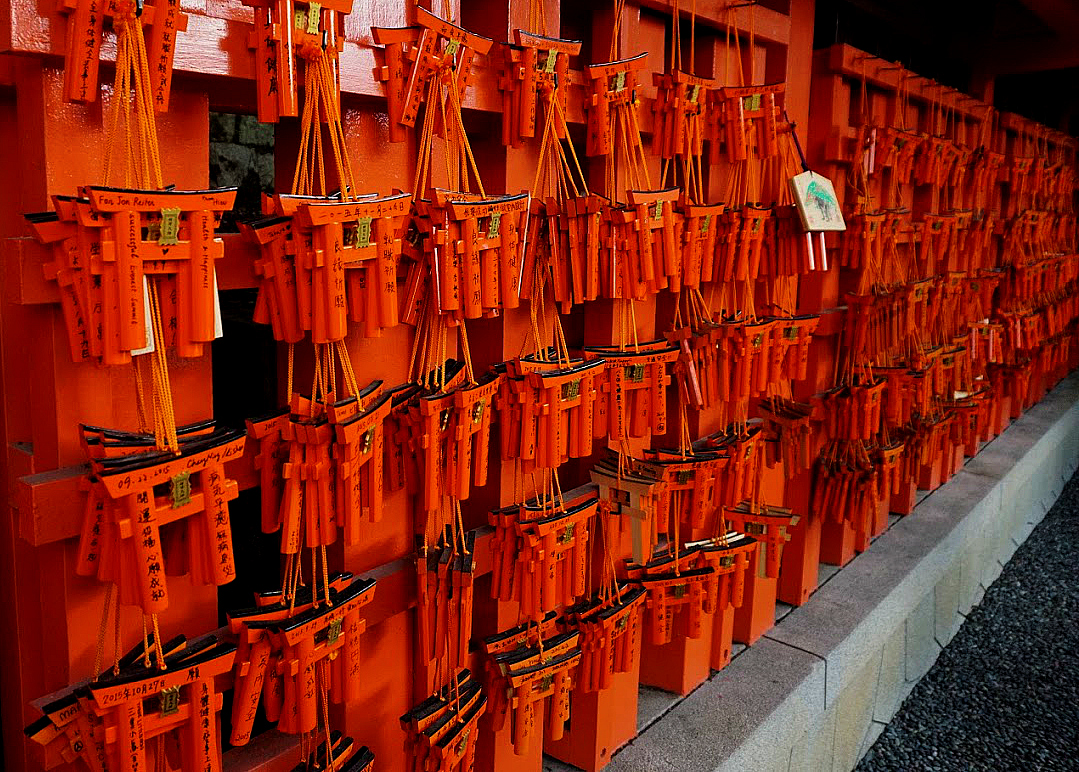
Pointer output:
x,y
1004,694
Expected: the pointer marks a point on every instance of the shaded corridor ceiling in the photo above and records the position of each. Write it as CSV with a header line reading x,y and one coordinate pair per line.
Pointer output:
x,y
1028,48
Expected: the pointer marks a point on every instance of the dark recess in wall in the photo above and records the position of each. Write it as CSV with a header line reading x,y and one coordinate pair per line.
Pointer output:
x,y
242,154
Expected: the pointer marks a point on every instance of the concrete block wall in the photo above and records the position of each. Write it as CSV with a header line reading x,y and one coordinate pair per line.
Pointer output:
x,y
818,689
242,155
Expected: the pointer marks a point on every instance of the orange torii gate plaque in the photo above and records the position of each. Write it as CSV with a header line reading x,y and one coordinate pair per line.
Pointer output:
x,y
125,237
433,44
536,68
132,497
86,24
285,31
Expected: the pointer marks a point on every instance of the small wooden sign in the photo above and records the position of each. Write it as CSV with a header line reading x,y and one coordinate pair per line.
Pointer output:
x,y
817,205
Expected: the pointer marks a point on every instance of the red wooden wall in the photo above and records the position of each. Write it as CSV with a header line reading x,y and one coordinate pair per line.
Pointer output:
x,y
49,147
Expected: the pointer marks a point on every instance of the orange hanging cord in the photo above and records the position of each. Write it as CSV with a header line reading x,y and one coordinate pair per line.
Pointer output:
x,y
133,160
443,112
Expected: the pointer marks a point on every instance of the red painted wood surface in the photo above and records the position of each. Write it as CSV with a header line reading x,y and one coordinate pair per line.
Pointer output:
x,y
49,147
44,395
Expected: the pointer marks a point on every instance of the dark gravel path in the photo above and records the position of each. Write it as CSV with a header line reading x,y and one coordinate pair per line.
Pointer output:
x,y
1004,694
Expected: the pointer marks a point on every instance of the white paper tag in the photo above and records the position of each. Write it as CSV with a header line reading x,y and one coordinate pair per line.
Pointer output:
x,y
219,330
149,347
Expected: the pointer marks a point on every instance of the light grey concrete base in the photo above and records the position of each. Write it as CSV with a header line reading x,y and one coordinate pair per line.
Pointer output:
x,y
816,692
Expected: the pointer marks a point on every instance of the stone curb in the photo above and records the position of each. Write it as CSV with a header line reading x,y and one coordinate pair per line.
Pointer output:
x,y
816,692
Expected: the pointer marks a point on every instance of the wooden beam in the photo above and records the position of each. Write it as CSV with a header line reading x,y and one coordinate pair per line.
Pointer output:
x,y
769,26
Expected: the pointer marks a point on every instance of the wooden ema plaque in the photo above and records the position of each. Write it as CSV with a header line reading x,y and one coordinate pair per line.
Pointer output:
x,y
187,701
442,730
108,244
739,449
659,229
613,88
85,27
132,497
629,504
700,239
414,55
535,70
326,466
567,234
540,552
123,720
685,499
610,636
287,32
790,424
474,252
547,410
532,678
445,579
257,675
633,401
750,118
679,128
286,654
769,525
448,432
68,730
731,557
679,589
604,719
325,262
681,595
